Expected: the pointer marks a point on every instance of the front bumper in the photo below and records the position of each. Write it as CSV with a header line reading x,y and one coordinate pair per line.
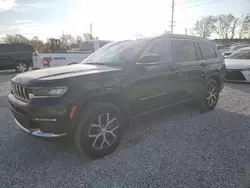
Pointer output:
x,y
237,75
38,132
41,120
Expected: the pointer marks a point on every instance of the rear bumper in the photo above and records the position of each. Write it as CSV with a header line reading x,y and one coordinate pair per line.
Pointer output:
x,y
43,121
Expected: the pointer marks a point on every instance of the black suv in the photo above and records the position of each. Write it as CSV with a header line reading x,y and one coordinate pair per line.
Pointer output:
x,y
94,100
16,56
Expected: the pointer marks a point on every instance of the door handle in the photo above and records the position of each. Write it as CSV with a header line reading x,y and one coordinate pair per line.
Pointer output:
x,y
203,64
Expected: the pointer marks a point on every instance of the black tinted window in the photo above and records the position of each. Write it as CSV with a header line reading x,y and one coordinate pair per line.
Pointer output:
x,y
7,48
207,50
184,51
163,48
24,48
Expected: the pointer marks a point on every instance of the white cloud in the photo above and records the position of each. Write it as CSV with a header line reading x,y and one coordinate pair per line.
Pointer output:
x,y
28,7
22,21
7,4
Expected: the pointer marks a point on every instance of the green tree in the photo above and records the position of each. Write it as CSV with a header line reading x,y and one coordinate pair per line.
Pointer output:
x,y
15,39
37,43
87,36
244,26
225,26
204,27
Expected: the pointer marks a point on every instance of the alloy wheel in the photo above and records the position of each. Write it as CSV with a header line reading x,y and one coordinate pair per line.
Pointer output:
x,y
104,131
22,67
212,95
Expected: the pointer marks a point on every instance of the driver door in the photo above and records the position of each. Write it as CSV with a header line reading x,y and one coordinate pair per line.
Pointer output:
x,y
155,84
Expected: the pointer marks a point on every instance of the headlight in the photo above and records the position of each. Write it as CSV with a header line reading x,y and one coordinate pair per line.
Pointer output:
x,y
49,91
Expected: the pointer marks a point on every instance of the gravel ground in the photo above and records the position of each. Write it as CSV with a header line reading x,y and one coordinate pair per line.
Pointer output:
x,y
177,147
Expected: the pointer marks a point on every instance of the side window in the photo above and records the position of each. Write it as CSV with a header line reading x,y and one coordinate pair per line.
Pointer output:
x,y
207,50
1,48
163,48
7,48
24,48
28,48
184,50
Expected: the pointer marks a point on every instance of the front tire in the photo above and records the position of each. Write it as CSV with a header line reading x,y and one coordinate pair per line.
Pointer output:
x,y
99,130
210,96
22,66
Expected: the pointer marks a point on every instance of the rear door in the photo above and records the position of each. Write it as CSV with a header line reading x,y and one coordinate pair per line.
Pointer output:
x,y
186,57
211,61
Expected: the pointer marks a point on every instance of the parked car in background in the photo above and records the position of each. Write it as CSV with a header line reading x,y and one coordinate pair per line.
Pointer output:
x,y
16,56
95,99
58,58
222,48
234,48
239,43
238,66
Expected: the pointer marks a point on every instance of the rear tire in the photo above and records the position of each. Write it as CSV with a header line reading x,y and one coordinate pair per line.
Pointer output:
x,y
209,98
22,66
99,130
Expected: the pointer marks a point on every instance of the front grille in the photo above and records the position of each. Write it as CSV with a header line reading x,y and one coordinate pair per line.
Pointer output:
x,y
20,92
235,75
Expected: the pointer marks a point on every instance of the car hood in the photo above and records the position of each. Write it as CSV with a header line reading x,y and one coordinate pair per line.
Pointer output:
x,y
237,63
62,72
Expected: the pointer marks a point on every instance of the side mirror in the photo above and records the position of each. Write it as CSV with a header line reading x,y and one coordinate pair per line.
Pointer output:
x,y
150,58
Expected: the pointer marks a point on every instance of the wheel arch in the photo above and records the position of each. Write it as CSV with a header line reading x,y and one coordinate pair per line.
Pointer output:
x,y
113,97
23,60
217,79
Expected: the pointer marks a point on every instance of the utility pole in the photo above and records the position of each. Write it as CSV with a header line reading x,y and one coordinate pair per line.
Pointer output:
x,y
90,29
172,19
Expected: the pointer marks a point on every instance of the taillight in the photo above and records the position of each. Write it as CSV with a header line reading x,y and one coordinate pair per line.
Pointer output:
x,y
46,61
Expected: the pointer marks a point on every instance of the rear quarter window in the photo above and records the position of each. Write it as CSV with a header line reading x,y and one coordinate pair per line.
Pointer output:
x,y
7,48
207,50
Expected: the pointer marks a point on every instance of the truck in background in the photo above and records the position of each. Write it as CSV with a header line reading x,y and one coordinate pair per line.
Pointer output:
x,y
16,56
59,57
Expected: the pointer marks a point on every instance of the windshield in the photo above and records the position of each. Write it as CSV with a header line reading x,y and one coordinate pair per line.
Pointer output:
x,y
117,52
241,54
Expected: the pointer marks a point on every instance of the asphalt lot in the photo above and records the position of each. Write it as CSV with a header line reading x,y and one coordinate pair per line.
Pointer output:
x,y
177,147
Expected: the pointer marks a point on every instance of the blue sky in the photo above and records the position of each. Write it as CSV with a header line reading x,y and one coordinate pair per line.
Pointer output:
x,y
111,19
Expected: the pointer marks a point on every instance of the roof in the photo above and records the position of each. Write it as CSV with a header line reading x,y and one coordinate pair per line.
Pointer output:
x,y
16,44
182,37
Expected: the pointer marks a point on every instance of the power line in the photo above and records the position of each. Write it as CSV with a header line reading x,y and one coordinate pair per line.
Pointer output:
x,y
199,17
200,4
188,2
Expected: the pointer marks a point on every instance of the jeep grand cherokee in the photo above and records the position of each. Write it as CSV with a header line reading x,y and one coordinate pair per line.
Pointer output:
x,y
95,99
